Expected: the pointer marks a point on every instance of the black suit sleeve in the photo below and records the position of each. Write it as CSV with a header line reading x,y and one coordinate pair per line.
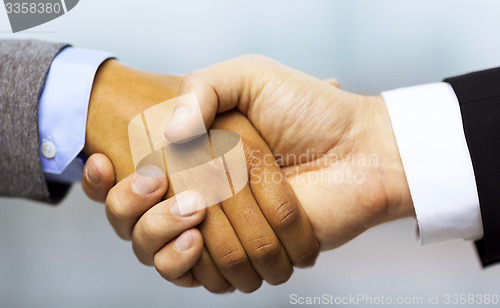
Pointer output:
x,y
479,97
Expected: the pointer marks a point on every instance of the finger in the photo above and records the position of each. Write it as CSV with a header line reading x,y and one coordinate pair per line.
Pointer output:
x,y
262,246
227,252
284,213
165,221
175,259
98,177
218,88
187,281
205,271
333,82
133,196
275,197
207,274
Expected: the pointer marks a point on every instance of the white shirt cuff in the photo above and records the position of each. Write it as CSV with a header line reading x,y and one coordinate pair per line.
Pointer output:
x,y
429,132
62,112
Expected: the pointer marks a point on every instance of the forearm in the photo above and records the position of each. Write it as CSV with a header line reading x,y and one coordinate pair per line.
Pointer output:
x,y
23,69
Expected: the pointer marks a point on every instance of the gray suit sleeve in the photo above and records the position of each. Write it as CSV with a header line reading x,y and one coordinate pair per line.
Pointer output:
x,y
23,69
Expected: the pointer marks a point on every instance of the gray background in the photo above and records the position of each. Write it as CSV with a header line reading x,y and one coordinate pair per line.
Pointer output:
x,y
68,256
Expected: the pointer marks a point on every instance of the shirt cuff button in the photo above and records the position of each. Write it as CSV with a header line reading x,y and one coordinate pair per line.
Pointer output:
x,y
48,149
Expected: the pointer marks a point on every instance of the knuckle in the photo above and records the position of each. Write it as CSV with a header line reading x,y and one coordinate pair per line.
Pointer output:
x,y
151,226
267,253
287,215
233,261
253,151
307,257
141,255
115,206
164,269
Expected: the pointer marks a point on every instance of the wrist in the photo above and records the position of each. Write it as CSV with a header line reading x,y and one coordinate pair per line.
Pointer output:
x,y
119,93
381,141
399,202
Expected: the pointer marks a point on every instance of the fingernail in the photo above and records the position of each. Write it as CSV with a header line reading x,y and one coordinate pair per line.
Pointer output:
x,y
148,180
186,204
178,121
92,174
184,241
180,116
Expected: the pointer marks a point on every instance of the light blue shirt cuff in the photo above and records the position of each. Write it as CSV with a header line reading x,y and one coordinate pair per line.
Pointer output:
x,y
62,112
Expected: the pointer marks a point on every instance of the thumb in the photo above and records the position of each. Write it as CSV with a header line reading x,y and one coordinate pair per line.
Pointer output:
x,y
218,88
98,177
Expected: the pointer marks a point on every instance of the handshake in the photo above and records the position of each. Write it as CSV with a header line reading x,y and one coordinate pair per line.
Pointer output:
x,y
323,166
